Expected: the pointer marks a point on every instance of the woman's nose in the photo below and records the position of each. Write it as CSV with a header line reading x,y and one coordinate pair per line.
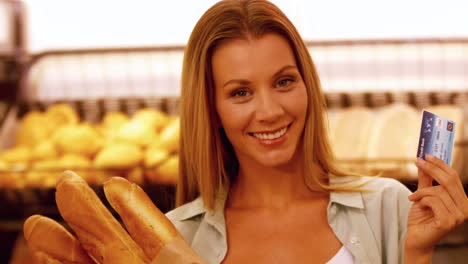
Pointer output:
x,y
268,108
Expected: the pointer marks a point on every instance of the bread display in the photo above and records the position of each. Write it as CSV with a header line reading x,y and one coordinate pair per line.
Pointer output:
x,y
77,139
119,155
167,172
394,139
110,124
155,156
144,146
137,132
43,173
113,120
20,155
61,114
33,129
51,141
45,149
350,136
157,120
169,138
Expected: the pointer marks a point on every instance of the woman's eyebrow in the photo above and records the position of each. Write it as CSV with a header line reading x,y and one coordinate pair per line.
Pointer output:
x,y
239,81
287,67
246,82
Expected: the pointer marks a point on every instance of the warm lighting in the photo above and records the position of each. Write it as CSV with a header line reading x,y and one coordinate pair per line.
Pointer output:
x,y
87,23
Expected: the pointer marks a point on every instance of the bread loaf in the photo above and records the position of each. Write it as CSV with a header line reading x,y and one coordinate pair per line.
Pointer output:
x,y
350,136
148,226
100,234
394,140
52,243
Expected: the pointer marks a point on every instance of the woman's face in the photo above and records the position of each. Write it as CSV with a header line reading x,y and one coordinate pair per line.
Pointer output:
x,y
261,99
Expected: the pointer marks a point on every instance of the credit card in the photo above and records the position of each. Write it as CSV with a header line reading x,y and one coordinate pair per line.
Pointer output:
x,y
436,137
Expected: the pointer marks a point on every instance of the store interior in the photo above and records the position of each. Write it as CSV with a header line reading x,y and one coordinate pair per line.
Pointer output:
x,y
110,107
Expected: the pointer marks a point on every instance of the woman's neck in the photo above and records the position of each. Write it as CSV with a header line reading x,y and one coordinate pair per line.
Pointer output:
x,y
269,187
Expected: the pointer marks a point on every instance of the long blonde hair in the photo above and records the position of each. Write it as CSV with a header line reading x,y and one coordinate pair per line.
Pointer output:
x,y
207,161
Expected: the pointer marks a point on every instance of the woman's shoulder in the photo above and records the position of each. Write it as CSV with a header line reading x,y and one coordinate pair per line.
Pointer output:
x,y
386,194
375,192
386,186
374,185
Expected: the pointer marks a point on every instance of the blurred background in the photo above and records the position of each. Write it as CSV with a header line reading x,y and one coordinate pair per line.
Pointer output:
x,y
105,75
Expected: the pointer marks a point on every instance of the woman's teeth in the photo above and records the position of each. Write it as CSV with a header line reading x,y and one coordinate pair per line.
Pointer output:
x,y
271,136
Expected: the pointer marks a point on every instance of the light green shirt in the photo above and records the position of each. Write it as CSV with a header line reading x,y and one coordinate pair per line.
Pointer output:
x,y
371,225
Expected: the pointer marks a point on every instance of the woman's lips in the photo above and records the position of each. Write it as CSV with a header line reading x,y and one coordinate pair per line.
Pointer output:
x,y
271,138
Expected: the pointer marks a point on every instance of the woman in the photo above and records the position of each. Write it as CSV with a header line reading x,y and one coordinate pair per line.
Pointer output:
x,y
258,182
254,150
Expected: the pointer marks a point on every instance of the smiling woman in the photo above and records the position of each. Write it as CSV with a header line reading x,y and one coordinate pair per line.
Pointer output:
x,y
251,97
255,157
261,100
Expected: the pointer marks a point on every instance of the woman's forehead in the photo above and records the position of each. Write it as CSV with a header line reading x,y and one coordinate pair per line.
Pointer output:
x,y
243,57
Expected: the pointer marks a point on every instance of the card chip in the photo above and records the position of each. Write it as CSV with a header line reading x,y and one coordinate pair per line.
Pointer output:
x,y
450,126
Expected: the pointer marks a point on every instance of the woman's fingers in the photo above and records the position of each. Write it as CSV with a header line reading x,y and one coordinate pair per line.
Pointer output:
x,y
148,226
439,192
442,219
453,175
50,242
424,180
446,177
99,232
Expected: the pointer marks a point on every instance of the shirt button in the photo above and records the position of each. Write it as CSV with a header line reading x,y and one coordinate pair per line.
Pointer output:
x,y
354,240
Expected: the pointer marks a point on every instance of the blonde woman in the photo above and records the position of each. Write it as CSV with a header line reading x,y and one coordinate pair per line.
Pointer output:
x,y
258,182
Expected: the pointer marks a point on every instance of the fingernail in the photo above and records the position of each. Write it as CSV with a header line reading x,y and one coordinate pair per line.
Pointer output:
x,y
429,156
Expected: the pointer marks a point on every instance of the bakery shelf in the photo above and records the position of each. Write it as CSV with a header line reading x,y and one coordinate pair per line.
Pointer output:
x,y
18,204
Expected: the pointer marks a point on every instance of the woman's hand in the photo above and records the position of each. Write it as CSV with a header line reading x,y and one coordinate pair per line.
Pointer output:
x,y
149,236
436,209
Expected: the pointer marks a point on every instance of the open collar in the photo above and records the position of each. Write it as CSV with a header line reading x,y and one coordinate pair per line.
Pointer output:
x,y
196,207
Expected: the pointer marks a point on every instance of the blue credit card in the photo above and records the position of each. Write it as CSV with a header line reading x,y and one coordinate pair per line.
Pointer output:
x,y
436,137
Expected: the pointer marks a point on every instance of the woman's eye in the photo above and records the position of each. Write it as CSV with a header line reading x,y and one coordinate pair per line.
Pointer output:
x,y
240,93
284,82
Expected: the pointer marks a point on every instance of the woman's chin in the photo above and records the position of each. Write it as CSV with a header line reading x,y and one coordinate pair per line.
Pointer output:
x,y
275,161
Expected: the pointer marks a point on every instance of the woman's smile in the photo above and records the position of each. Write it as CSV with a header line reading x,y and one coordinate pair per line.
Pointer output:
x,y
271,137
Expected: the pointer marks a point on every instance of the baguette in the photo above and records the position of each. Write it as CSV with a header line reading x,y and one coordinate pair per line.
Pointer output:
x,y
148,226
100,234
50,242
40,257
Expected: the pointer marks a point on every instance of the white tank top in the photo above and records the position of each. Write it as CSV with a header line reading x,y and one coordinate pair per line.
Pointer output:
x,y
342,257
